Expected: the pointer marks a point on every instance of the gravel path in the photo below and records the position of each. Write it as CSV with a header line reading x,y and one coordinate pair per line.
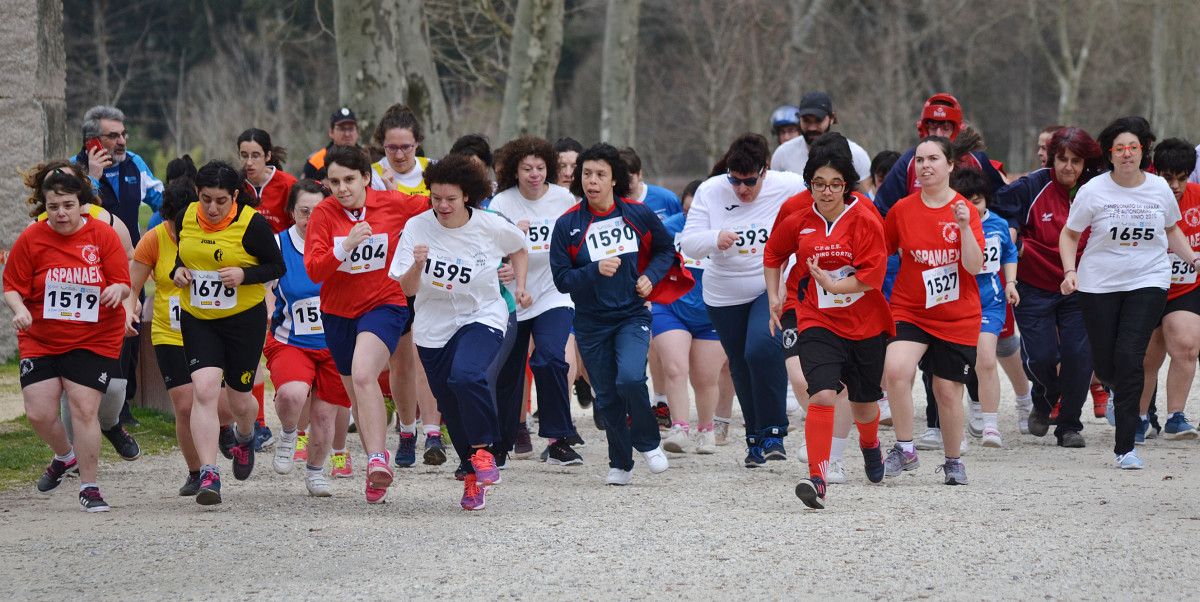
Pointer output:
x,y
1036,521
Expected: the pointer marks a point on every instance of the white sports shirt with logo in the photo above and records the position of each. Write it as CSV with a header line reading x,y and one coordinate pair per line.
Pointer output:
x,y
541,214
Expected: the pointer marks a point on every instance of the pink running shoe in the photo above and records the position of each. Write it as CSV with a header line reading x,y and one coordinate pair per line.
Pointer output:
x,y
473,494
486,472
341,466
379,478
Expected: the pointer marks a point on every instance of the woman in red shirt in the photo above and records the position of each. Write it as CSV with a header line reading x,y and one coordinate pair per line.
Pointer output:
x,y
935,302
262,166
65,281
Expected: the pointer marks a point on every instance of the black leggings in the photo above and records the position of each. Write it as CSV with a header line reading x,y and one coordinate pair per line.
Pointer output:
x,y
1119,326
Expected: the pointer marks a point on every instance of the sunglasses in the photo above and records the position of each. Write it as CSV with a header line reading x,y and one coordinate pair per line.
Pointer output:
x,y
748,182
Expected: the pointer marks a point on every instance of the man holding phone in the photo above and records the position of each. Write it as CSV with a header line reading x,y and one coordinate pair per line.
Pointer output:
x,y
121,178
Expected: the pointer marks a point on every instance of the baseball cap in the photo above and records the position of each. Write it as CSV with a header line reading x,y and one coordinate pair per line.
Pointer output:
x,y
816,104
340,115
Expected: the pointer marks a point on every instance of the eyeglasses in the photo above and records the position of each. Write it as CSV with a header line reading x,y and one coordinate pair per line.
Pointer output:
x,y
399,148
750,182
1121,149
835,186
115,135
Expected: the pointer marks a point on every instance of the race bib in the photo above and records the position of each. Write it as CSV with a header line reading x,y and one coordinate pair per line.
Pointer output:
x,y
537,240
1182,272
72,302
173,311
689,262
610,238
447,273
370,254
209,294
941,285
1130,233
826,299
306,316
991,255
752,238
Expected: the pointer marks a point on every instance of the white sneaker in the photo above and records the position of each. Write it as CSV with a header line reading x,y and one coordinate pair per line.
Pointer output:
x,y
285,449
801,452
1024,407
836,473
793,404
706,442
656,460
991,437
676,440
931,440
616,476
721,432
318,485
885,411
975,419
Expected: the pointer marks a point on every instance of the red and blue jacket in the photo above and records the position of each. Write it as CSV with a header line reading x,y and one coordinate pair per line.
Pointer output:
x,y
1039,205
901,181
615,298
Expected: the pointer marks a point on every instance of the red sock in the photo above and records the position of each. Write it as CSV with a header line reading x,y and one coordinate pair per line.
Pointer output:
x,y
818,431
868,432
258,394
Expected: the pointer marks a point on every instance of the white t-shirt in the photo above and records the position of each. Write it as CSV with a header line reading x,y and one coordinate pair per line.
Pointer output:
x,y
412,179
541,214
793,156
1127,248
734,276
459,283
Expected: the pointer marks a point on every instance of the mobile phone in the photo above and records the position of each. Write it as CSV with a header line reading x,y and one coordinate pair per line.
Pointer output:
x,y
93,144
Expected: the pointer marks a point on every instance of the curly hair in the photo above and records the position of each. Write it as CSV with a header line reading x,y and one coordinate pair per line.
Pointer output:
x,y
510,155
1136,125
609,154
60,176
459,170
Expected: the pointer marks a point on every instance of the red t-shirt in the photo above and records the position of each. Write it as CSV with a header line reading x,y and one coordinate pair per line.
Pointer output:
x,y
855,241
931,272
1189,208
79,267
359,284
272,203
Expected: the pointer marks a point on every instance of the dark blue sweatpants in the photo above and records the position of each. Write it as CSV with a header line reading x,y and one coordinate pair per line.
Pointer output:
x,y
549,331
458,376
756,364
1055,350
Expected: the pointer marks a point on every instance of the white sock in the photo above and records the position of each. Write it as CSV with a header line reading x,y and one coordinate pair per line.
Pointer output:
x,y
837,448
411,429
67,458
313,471
433,429
907,446
991,419
717,419
1024,399
659,398
340,451
83,486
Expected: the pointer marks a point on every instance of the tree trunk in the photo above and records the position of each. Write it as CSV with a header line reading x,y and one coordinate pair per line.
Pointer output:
x,y
100,39
532,61
422,90
804,16
1158,76
618,77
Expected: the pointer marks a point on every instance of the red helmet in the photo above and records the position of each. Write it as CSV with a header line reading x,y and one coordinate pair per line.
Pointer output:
x,y
941,107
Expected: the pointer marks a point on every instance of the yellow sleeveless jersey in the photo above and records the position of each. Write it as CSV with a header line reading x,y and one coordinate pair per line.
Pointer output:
x,y
93,210
421,189
206,252
164,328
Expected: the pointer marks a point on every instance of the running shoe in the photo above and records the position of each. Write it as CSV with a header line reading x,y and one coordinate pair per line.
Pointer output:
x,y
793,404
341,466
501,460
662,413
676,440
656,460
226,440
899,461
721,433
285,449
446,437
811,491
243,460
1178,427
210,488
802,452
955,471
524,445
352,427
1130,461
90,500
583,393
598,418
1024,406
484,464
473,494
885,412
931,440
754,457
561,454
301,454
406,453
379,478
1072,439
575,440
435,452
191,486
772,448
55,473
873,463
975,419
992,438
1110,410
619,477
1139,436
123,442
705,441
1039,423
262,436
1099,400
317,485
1153,429
836,473
461,472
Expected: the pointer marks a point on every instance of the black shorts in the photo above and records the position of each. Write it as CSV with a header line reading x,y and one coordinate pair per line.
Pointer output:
x,y
233,343
408,322
173,364
1188,302
943,359
829,361
79,366
791,341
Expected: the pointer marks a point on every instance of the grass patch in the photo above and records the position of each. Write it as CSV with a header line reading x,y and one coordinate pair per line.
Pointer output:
x,y
23,456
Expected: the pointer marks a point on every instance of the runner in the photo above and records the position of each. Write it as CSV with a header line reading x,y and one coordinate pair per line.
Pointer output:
x,y
262,164
816,117
64,281
399,135
785,123
730,222
226,253
297,356
352,237
1124,271
452,252
935,303
608,253
567,150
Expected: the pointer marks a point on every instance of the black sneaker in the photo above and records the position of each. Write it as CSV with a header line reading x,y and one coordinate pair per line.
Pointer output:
x,y
575,441
54,474
583,393
598,418
561,454
435,451
873,463
1072,439
226,440
263,437
127,418
662,413
524,445
1039,423
501,459
811,491
243,460
90,500
460,473
123,442
210,489
191,486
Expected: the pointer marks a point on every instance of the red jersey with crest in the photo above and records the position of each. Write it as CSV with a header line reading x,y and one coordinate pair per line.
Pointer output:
x,y
852,244
61,278
273,198
1183,276
933,290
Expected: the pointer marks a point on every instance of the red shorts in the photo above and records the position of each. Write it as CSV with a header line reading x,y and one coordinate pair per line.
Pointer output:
x,y
314,367
1010,322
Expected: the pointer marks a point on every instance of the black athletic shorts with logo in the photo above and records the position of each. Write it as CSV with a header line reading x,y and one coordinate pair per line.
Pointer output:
x,y
791,339
173,364
830,361
233,343
79,366
943,359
